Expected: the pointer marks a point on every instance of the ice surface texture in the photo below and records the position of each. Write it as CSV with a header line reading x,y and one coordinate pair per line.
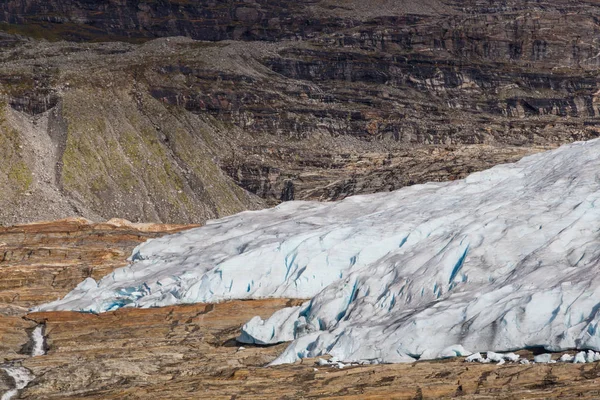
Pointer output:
x,y
505,259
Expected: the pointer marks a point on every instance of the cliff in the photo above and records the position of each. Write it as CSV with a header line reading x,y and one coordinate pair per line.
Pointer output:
x,y
279,101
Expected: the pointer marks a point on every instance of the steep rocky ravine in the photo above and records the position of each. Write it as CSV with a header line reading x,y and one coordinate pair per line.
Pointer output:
x,y
289,100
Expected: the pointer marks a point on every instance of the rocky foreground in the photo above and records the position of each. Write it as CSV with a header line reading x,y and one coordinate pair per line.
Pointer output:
x,y
190,351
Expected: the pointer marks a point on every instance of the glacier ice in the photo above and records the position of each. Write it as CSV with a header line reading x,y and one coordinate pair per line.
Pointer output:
x,y
475,357
580,358
543,358
322,362
566,358
280,327
592,356
454,351
494,357
505,259
491,356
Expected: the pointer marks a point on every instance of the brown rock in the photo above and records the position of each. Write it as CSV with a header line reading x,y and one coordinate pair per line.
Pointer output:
x,y
189,352
41,262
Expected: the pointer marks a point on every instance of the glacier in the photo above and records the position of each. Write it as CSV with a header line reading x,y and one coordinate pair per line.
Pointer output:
x,y
505,259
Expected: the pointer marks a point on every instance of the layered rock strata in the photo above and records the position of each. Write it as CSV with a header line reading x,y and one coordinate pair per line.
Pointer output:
x,y
288,100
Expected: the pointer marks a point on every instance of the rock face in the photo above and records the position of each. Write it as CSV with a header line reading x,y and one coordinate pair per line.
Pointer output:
x,y
187,352
363,99
43,261
103,149
131,20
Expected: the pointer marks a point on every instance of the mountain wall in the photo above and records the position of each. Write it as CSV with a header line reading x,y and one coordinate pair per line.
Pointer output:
x,y
277,101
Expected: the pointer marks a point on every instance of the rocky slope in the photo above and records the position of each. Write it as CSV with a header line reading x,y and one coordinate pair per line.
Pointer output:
x,y
187,352
290,100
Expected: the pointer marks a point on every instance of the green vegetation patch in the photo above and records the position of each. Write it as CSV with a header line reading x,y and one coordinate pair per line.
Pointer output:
x,y
14,171
19,174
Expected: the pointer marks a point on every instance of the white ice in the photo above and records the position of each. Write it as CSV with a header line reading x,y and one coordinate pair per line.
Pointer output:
x,y
512,357
566,358
280,327
505,259
475,357
579,358
494,357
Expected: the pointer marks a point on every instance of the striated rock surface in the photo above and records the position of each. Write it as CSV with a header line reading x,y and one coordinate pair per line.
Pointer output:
x,y
43,261
289,100
206,20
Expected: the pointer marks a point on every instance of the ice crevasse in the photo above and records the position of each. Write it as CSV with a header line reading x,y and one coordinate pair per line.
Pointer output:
x,y
505,259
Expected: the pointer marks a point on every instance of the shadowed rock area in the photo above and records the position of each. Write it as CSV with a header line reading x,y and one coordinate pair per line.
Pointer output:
x,y
277,101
